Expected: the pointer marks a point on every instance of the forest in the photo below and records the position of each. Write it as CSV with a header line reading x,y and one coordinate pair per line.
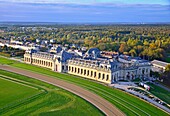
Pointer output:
x,y
149,41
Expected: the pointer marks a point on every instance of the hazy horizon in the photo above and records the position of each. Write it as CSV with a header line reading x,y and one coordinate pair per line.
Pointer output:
x,y
85,11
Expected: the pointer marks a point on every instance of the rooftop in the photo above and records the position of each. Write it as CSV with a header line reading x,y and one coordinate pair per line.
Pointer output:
x,y
160,63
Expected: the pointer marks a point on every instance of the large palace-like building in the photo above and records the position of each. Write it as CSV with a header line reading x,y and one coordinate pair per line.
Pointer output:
x,y
91,65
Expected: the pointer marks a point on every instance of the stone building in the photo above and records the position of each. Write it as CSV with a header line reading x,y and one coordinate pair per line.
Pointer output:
x,y
92,65
159,66
56,62
92,69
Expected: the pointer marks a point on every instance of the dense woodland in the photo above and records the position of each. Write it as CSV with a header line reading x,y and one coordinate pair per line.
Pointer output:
x,y
148,41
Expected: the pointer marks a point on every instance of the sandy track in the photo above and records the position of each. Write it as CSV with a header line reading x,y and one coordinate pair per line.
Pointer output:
x,y
94,99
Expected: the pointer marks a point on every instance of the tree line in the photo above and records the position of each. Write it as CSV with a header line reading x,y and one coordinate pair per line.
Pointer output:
x,y
147,41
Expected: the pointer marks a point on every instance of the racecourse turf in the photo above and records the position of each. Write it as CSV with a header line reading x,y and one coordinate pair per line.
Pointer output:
x,y
22,96
11,91
129,104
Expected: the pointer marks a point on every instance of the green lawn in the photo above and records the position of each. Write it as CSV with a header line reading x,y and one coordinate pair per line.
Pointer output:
x,y
129,104
11,92
160,92
167,59
51,101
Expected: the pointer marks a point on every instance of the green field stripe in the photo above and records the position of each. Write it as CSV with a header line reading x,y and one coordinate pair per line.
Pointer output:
x,y
52,105
16,81
16,104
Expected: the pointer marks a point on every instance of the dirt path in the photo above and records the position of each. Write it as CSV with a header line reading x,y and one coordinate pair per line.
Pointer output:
x,y
96,100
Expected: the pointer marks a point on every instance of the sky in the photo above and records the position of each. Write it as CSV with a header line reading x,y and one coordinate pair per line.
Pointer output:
x,y
85,11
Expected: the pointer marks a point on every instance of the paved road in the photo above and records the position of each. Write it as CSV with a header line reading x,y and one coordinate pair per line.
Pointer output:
x,y
96,100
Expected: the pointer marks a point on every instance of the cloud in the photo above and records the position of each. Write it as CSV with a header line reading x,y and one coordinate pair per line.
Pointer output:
x,y
162,2
62,12
50,1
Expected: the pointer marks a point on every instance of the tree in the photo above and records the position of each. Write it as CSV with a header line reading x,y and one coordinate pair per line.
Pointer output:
x,y
123,48
133,53
101,46
167,68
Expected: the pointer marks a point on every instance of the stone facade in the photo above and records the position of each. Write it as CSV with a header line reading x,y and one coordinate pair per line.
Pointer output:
x,y
92,65
89,69
107,71
56,62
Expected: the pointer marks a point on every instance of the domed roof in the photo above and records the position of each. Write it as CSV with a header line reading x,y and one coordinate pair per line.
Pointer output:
x,y
93,53
93,50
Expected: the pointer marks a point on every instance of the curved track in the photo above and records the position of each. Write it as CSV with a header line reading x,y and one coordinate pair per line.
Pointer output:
x,y
94,99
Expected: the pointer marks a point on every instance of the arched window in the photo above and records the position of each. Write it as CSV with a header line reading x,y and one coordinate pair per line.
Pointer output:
x,y
69,68
107,77
88,73
84,71
103,76
94,74
72,69
81,71
91,73
99,76
78,70
75,69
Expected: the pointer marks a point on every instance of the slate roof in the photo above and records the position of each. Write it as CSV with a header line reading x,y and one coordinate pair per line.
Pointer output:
x,y
93,50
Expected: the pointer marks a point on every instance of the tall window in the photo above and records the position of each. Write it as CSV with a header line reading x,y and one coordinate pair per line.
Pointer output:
x,y
99,76
91,73
78,70
107,77
75,70
103,77
72,69
81,71
88,73
94,74
84,71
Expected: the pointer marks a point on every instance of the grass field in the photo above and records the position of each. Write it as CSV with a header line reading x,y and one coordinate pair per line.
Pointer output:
x,y
129,104
160,93
11,91
19,97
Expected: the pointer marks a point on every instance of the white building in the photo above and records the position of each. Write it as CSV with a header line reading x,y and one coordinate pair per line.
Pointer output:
x,y
159,66
91,65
